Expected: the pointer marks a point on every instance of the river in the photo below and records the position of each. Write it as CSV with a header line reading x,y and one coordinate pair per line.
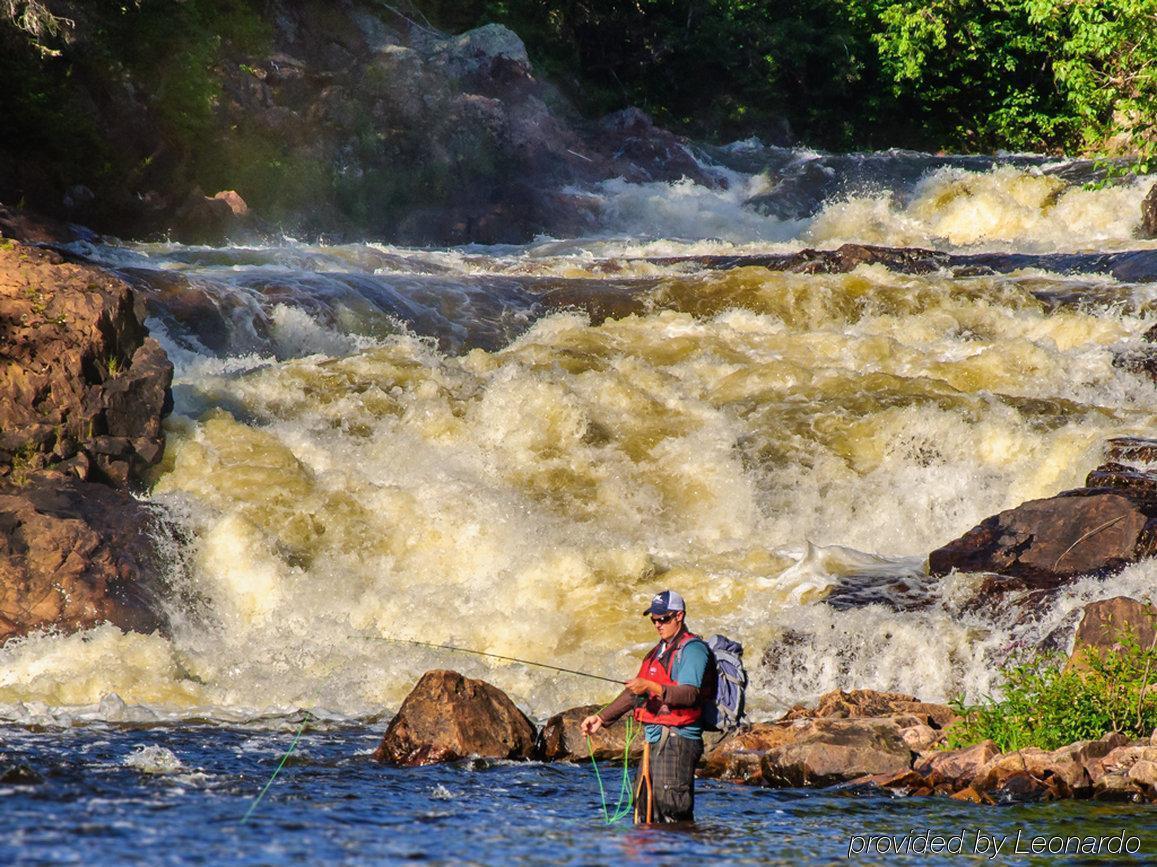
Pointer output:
x,y
511,448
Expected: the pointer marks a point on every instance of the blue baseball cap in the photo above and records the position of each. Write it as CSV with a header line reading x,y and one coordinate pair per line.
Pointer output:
x,y
666,602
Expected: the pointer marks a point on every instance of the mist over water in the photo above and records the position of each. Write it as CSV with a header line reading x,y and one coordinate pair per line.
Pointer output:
x,y
509,449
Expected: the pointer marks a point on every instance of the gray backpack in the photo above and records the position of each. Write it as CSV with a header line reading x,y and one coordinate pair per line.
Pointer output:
x,y
723,701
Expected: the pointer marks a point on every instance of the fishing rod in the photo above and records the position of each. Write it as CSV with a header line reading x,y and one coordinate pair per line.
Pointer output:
x,y
451,647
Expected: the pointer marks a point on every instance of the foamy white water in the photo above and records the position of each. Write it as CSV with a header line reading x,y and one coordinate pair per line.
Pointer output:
x,y
510,449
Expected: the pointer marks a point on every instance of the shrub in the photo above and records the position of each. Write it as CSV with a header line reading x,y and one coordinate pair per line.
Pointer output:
x,y
1045,705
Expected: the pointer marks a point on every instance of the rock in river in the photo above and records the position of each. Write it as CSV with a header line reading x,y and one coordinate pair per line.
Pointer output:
x,y
448,717
1045,542
561,740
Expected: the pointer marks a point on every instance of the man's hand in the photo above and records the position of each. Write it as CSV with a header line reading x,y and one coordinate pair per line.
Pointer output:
x,y
591,724
641,686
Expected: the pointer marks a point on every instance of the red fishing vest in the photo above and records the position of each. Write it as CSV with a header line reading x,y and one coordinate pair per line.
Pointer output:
x,y
653,710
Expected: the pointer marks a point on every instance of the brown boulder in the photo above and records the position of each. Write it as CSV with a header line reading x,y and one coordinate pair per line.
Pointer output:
x,y
869,702
561,740
834,751
82,386
1105,625
448,717
73,555
953,770
1045,542
738,756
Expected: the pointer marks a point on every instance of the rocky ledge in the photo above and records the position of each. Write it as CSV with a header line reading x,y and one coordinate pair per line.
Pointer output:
x,y
82,392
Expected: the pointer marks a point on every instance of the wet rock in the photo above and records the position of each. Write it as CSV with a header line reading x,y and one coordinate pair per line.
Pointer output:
x,y
1140,482
1106,624
1149,214
1024,775
561,740
18,775
448,717
828,751
1043,543
74,555
738,755
1133,449
639,151
904,783
871,703
1073,771
82,386
952,770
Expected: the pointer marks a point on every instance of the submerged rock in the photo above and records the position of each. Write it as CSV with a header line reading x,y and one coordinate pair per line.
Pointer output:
x,y
561,740
74,555
448,717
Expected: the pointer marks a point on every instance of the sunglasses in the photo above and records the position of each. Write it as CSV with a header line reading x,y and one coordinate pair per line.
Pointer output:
x,y
666,618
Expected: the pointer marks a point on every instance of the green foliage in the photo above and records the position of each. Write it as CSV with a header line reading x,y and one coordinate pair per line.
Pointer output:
x,y
1043,705
963,74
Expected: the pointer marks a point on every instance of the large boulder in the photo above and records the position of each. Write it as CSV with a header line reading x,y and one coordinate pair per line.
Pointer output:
x,y
448,717
830,751
1043,543
739,755
74,555
561,740
82,385
1106,624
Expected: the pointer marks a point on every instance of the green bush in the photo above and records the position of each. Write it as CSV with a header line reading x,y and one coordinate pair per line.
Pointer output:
x,y
1044,705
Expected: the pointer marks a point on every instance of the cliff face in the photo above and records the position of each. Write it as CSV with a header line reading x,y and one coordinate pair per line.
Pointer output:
x,y
339,118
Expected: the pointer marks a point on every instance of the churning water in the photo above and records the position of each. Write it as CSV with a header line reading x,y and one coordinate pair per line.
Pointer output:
x,y
510,449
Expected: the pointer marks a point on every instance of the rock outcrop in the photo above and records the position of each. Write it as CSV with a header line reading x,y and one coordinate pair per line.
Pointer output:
x,y
448,717
848,736
1095,530
1106,624
82,392
75,554
82,385
561,740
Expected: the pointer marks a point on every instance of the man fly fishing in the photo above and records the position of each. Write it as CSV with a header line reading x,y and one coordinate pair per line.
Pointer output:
x,y
666,697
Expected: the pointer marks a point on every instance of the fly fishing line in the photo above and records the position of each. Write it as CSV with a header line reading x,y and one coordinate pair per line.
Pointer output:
x,y
284,759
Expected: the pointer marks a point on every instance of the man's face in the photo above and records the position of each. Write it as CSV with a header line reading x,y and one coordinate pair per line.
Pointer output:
x,y
667,624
